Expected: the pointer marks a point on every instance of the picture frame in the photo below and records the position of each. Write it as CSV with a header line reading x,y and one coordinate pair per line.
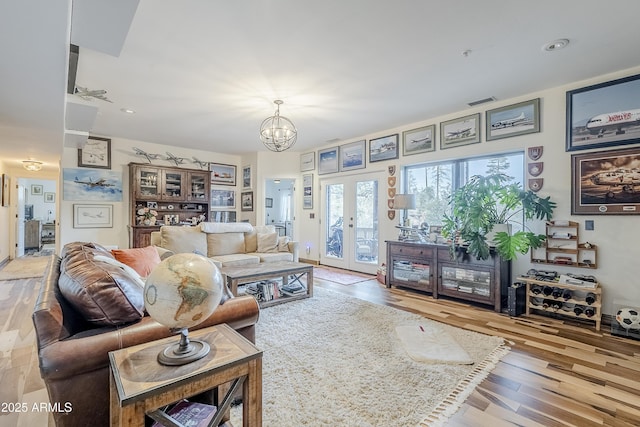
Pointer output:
x,y
352,156
383,148
328,160
36,190
513,120
246,203
152,205
307,191
461,131
268,202
222,174
92,216
603,115
49,197
603,182
222,198
246,177
96,153
419,140
307,161
91,185
5,189
222,216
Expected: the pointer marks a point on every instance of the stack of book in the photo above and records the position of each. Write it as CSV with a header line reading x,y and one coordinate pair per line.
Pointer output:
x,y
293,289
191,414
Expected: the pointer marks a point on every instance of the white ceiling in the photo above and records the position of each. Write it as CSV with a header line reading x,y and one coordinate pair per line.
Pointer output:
x,y
203,74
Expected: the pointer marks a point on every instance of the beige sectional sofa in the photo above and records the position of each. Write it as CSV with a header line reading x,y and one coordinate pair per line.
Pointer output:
x,y
228,244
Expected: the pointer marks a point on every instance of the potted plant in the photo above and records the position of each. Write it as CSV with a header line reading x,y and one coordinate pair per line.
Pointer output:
x,y
485,201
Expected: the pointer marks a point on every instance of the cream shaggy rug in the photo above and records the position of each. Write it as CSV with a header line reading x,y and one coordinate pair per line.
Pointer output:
x,y
24,268
332,360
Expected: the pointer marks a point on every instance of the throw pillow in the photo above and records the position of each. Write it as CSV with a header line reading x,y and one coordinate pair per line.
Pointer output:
x,y
142,260
267,242
251,238
181,240
283,243
130,271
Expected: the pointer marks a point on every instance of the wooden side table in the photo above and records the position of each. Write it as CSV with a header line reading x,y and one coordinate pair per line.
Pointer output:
x,y
140,386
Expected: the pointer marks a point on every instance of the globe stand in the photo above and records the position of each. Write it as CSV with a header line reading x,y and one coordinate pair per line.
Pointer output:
x,y
183,352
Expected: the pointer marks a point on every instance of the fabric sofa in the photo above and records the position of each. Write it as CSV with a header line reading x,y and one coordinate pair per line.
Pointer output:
x,y
85,309
228,244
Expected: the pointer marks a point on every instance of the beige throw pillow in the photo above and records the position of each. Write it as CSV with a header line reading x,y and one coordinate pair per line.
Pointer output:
x,y
283,243
267,242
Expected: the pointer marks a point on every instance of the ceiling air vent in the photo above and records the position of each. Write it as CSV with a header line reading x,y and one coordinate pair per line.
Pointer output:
x,y
481,101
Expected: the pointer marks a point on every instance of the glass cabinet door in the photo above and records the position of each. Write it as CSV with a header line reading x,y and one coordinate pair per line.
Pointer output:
x,y
198,185
411,271
148,183
173,185
457,279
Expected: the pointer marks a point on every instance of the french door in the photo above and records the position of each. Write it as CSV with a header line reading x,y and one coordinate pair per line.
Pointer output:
x,y
349,223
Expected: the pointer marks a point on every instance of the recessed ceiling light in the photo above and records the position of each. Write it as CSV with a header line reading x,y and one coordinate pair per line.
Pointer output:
x,y
555,45
128,110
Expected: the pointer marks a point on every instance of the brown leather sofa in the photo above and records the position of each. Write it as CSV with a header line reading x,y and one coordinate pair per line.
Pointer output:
x,y
73,352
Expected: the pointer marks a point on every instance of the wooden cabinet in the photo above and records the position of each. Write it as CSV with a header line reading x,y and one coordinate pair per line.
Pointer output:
x,y
32,233
431,268
176,194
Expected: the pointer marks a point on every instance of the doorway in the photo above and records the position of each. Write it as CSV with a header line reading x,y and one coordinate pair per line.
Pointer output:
x,y
279,205
35,216
349,209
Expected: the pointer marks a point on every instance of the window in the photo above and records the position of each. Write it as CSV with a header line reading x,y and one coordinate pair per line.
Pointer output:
x,y
433,183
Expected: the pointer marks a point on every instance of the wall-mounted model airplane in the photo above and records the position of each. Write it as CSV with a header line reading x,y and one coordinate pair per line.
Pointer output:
x,y
508,122
200,163
177,160
146,155
601,123
88,94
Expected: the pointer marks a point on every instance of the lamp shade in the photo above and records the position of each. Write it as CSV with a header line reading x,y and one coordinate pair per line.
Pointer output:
x,y
404,201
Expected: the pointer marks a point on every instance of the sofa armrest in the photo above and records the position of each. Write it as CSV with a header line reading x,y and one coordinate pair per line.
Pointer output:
x,y
293,248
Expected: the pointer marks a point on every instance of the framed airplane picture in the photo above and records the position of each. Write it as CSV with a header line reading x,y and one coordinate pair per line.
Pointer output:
x,y
604,115
461,131
513,120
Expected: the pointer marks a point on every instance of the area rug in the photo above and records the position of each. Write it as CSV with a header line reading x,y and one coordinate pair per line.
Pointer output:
x,y
24,268
333,360
340,277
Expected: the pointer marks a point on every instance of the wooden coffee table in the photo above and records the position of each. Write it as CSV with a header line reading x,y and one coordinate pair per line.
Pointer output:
x,y
289,272
140,386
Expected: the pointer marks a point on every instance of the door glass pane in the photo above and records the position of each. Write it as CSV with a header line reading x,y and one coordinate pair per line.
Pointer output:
x,y
334,215
366,222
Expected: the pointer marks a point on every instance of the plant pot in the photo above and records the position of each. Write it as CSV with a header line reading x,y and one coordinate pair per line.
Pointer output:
x,y
491,235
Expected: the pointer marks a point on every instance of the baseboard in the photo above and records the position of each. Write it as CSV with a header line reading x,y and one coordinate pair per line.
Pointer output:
x,y
309,261
4,262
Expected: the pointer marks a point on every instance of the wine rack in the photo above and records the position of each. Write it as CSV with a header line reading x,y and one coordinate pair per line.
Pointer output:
x,y
583,302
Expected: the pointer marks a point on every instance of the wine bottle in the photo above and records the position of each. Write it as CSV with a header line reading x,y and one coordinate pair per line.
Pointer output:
x,y
547,290
567,294
578,310
536,289
556,292
556,305
589,311
590,298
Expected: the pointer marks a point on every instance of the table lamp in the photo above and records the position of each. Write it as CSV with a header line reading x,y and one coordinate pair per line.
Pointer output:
x,y
404,202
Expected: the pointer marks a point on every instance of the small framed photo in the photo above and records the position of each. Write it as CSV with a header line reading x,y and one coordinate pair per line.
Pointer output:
x,y
328,161
222,174
246,203
223,198
513,120
604,183
5,189
49,197
268,202
462,131
92,216
36,190
352,156
246,177
152,205
96,153
307,161
421,140
385,148
307,188
604,115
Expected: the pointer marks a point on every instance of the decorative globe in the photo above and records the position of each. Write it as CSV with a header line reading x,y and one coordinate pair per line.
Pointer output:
x,y
183,290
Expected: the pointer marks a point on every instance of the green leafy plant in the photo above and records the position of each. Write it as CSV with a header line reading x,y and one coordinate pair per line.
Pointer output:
x,y
486,201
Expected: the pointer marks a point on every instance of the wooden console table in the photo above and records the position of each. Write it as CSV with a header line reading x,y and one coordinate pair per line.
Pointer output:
x,y
140,386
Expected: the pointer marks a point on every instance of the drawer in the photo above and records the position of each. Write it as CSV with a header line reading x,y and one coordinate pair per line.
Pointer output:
x,y
463,257
419,251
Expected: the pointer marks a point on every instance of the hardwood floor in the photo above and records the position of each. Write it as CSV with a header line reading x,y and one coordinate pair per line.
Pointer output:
x,y
558,373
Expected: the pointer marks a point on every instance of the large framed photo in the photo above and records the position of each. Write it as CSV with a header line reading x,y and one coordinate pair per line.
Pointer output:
x,y
92,216
604,182
307,187
96,153
421,140
222,174
223,198
385,148
352,156
328,161
307,161
604,115
513,120
246,203
462,131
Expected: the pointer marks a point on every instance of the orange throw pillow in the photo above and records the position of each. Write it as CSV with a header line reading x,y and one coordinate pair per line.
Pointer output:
x,y
142,260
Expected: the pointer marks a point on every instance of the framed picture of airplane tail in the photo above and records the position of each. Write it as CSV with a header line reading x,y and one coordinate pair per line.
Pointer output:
x,y
462,131
606,182
513,120
604,115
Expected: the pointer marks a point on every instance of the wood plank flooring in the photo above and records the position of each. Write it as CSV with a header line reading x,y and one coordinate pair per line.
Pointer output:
x,y
558,373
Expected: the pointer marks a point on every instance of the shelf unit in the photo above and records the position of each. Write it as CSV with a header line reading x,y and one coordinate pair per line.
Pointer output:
x,y
578,301
563,247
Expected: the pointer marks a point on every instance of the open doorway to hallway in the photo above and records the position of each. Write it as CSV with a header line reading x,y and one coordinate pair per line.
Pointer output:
x,y
279,205
35,217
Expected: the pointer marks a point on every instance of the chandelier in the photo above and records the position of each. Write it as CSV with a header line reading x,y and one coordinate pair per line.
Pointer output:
x,y
277,132
32,165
